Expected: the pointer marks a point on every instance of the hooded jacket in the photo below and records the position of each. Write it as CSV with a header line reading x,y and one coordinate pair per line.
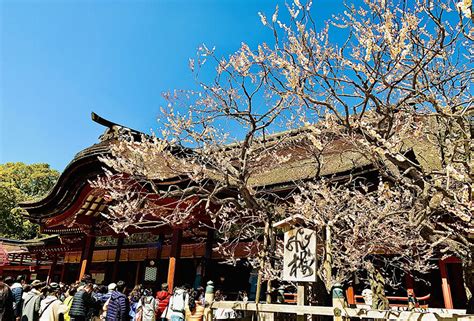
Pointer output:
x,y
118,307
49,309
31,306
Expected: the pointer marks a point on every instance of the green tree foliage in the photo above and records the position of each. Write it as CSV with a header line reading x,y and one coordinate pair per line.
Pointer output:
x,y
20,182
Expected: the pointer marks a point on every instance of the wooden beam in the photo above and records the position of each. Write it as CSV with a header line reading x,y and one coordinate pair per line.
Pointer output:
x,y
26,268
63,272
51,270
356,313
161,242
174,256
137,274
86,255
208,253
301,299
118,251
448,299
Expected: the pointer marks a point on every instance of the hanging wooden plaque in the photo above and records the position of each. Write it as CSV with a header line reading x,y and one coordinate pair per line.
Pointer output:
x,y
299,260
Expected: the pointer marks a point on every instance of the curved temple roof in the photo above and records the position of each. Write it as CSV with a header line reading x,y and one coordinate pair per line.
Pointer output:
x,y
72,202
73,195
72,186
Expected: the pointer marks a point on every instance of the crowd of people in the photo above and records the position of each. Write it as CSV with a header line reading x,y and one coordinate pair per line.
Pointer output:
x,y
86,301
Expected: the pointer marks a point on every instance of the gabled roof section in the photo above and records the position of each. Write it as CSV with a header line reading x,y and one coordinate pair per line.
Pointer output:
x,y
74,179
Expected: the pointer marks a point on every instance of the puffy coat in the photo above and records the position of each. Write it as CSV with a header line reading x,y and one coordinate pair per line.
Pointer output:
x,y
81,304
163,298
118,307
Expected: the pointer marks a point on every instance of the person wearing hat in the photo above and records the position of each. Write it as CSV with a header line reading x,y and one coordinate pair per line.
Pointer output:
x,y
6,302
50,305
32,302
111,288
118,307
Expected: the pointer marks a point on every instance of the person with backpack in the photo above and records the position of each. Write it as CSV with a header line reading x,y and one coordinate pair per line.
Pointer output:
x,y
32,302
6,302
118,308
178,304
163,299
146,307
50,306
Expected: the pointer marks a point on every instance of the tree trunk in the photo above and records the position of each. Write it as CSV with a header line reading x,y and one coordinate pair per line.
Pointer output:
x,y
468,276
327,264
263,257
377,285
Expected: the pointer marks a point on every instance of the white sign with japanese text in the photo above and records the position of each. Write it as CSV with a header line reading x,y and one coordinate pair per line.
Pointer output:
x,y
299,259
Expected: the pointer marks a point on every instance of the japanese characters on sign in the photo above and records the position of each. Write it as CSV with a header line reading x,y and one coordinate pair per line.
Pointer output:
x,y
299,260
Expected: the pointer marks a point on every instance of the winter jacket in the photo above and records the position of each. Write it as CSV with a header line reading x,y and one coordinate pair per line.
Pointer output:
x,y
82,303
6,303
31,306
49,309
107,296
163,298
17,291
147,306
101,297
118,307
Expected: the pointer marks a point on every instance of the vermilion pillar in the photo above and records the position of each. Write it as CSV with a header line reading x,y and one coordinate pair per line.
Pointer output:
x,y
350,296
174,257
86,255
448,299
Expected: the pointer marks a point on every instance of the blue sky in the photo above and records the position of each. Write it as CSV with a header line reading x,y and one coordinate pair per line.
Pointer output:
x,y
62,59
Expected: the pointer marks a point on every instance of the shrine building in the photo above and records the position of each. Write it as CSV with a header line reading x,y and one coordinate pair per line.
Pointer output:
x,y
81,242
